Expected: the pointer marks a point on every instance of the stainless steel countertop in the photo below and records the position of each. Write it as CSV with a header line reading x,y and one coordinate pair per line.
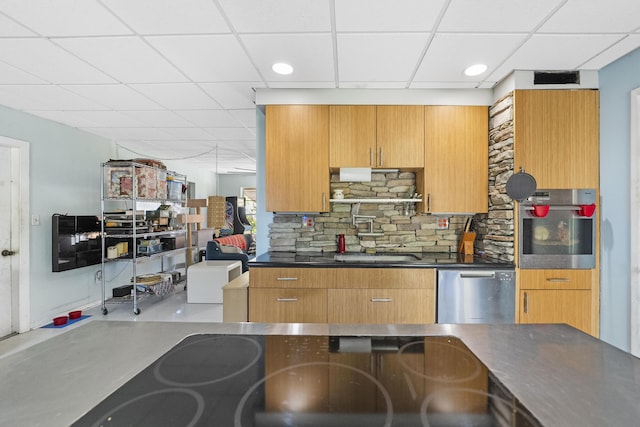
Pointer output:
x,y
423,260
562,376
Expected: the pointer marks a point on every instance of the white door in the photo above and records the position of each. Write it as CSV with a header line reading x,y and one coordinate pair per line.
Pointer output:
x,y
6,324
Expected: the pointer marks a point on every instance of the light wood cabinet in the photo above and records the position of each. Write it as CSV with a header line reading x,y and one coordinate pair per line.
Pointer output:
x,y
559,296
456,165
556,137
342,295
390,136
381,306
288,305
297,158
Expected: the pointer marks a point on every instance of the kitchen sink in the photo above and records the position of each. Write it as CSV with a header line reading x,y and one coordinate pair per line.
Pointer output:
x,y
383,257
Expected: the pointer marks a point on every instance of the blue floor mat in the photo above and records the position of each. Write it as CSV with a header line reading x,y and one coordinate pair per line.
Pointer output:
x,y
69,322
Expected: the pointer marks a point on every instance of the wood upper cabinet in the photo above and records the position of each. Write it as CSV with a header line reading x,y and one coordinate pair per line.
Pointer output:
x,y
455,175
556,134
297,158
352,136
400,139
559,296
390,136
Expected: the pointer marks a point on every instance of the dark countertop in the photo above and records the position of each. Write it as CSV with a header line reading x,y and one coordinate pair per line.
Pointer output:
x,y
561,375
423,260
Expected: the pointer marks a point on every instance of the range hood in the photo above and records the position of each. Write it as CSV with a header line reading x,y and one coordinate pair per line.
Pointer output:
x,y
361,174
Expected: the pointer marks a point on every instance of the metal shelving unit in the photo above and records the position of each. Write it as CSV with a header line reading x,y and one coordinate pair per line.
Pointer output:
x,y
125,185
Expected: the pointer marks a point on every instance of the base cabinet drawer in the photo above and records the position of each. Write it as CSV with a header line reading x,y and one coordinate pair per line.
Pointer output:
x,y
288,305
386,306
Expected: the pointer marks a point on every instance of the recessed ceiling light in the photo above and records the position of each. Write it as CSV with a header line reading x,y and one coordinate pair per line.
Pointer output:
x,y
282,68
475,70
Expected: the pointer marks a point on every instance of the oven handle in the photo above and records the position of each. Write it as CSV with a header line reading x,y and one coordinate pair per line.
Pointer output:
x,y
478,275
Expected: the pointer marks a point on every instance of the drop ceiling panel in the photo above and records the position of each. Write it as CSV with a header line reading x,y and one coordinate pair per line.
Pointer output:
x,y
159,118
233,134
233,95
440,65
127,59
246,117
207,58
12,75
47,61
117,97
277,16
109,119
379,57
177,96
595,16
46,97
386,16
496,16
64,17
618,50
69,118
545,52
10,28
193,134
129,133
209,118
310,55
170,17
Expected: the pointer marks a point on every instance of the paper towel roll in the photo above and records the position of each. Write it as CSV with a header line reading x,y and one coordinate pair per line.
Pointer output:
x,y
112,252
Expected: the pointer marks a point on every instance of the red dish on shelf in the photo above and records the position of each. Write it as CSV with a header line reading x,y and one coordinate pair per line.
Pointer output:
x,y
59,321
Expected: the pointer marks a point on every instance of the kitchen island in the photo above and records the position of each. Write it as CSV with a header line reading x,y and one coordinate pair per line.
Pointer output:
x,y
562,376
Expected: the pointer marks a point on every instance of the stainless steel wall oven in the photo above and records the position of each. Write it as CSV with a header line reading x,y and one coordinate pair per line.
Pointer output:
x,y
557,229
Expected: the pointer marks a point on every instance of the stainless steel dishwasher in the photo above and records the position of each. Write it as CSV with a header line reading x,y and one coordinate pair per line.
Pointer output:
x,y
476,296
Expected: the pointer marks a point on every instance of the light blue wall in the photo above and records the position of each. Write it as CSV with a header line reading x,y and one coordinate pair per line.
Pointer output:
x,y
263,218
617,80
231,185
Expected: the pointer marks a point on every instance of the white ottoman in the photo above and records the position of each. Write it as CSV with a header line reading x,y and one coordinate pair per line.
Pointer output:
x,y
206,279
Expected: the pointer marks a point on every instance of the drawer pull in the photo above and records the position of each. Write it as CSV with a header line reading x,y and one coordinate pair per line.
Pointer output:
x,y
286,279
381,299
526,303
294,299
557,279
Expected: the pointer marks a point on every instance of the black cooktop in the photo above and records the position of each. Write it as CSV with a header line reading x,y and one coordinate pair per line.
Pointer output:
x,y
263,381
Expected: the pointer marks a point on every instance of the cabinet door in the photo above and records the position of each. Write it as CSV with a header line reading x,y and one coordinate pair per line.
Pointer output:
x,y
352,136
297,158
557,137
288,305
381,306
572,307
456,159
400,130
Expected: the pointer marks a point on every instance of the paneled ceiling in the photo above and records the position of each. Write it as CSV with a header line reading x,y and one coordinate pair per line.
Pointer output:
x,y
175,79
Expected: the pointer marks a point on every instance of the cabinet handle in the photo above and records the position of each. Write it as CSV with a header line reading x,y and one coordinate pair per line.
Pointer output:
x,y
526,303
286,279
371,161
381,157
294,299
381,299
429,202
557,279
324,201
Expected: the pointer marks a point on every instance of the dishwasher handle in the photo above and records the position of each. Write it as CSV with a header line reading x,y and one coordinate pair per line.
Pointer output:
x,y
478,275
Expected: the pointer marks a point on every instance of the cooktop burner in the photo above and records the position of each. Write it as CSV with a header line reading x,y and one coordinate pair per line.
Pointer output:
x,y
262,381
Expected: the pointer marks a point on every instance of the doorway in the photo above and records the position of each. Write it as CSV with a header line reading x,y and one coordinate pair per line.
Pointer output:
x,y
634,215
14,236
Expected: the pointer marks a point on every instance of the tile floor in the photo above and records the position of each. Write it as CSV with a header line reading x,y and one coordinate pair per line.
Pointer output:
x,y
172,308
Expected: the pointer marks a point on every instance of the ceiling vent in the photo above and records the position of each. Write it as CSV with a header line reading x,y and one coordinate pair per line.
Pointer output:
x,y
556,77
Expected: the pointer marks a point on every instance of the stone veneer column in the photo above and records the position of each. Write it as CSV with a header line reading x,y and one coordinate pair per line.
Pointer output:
x,y
497,227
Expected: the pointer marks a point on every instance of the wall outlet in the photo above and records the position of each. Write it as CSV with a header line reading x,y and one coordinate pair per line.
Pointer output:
x,y
443,224
35,219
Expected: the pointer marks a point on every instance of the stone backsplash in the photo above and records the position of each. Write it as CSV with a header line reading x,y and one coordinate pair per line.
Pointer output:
x,y
400,229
